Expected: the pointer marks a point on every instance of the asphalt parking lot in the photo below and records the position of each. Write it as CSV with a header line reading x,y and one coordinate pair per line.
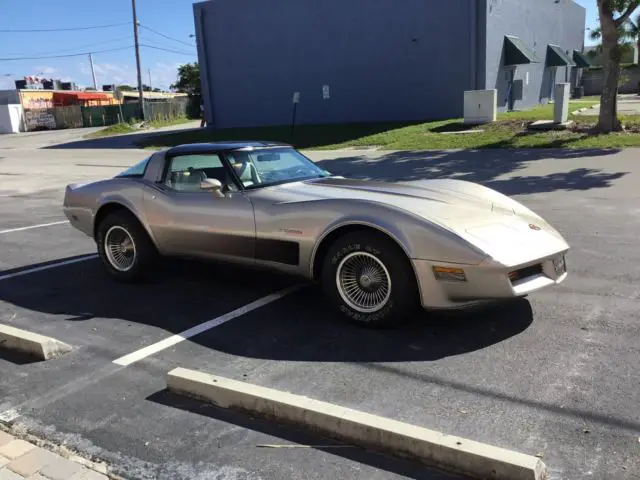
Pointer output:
x,y
554,374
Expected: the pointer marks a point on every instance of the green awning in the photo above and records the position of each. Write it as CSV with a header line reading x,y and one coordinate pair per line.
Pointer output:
x,y
517,53
582,61
556,57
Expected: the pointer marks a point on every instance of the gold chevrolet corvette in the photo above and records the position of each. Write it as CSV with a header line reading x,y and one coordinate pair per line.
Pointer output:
x,y
378,249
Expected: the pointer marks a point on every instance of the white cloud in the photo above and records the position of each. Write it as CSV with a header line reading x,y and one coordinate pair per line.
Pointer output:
x,y
7,83
104,68
109,73
46,70
163,75
108,68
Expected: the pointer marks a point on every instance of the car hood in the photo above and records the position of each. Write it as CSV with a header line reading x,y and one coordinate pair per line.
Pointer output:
x,y
507,231
442,201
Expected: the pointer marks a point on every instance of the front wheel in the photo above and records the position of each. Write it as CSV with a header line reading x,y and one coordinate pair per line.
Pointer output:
x,y
370,279
125,248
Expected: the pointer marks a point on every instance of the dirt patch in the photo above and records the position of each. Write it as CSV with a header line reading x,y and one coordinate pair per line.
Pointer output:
x,y
577,127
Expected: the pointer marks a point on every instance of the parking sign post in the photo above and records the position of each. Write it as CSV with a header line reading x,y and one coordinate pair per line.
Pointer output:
x,y
296,100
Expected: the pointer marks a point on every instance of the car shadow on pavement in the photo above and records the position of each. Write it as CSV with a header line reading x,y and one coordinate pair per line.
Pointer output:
x,y
123,141
303,327
480,166
304,136
292,435
79,298
298,327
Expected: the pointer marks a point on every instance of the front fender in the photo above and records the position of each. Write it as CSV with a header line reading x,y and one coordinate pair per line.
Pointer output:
x,y
383,226
417,236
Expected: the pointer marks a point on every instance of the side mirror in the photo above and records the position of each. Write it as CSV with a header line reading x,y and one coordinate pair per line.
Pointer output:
x,y
213,185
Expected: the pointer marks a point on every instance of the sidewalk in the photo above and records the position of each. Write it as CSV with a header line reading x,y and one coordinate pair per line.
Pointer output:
x,y
20,460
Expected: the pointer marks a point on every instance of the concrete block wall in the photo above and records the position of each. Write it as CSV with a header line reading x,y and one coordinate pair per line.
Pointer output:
x,y
593,80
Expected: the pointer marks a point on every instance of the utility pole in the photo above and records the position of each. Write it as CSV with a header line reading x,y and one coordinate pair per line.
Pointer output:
x,y
137,47
93,73
149,79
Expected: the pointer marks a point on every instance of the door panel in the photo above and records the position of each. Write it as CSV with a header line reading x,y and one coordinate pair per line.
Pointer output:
x,y
186,220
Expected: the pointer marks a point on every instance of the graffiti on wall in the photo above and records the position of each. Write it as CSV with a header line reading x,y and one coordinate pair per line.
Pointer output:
x,y
37,102
36,119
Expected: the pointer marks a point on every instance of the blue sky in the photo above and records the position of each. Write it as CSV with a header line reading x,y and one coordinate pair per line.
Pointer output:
x,y
592,17
173,18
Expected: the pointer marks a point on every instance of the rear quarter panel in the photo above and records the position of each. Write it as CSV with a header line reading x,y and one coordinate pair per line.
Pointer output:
x,y
82,203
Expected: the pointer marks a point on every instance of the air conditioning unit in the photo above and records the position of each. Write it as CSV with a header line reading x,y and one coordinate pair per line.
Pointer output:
x,y
480,106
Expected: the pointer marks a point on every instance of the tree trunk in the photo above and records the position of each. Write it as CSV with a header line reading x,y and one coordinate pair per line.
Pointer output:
x,y
608,121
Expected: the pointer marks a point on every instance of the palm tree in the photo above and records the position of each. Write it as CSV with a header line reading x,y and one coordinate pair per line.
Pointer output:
x,y
629,32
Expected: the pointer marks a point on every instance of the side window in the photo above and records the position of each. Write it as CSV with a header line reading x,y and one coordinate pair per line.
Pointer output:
x,y
185,172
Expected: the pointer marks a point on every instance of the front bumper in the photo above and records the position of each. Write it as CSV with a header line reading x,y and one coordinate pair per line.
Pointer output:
x,y
488,281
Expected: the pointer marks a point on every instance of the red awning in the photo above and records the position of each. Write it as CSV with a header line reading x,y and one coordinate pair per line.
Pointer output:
x,y
83,95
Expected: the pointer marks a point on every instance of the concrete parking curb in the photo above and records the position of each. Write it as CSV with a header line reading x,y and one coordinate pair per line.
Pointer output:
x,y
454,454
33,344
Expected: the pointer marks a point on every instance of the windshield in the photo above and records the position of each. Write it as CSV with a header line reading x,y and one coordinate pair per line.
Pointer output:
x,y
270,166
136,170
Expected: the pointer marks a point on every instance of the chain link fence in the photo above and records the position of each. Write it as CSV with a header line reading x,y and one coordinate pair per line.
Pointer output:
x,y
166,111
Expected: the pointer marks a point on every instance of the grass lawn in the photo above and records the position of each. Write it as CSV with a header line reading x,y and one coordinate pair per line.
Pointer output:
x,y
116,129
509,131
588,98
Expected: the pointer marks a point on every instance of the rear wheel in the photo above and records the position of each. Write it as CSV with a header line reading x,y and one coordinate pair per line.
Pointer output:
x,y
369,279
125,248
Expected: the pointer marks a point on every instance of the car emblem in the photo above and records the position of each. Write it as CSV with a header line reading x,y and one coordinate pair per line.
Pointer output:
x,y
534,227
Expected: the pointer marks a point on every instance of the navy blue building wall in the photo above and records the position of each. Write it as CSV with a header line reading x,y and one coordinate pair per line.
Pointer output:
x,y
383,60
537,23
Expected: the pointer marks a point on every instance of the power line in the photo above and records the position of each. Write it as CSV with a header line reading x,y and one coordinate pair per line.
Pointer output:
x,y
65,56
167,36
166,49
31,30
128,37
146,39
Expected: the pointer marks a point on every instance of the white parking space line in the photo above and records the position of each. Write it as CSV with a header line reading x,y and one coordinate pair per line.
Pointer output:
x,y
203,327
21,229
46,267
